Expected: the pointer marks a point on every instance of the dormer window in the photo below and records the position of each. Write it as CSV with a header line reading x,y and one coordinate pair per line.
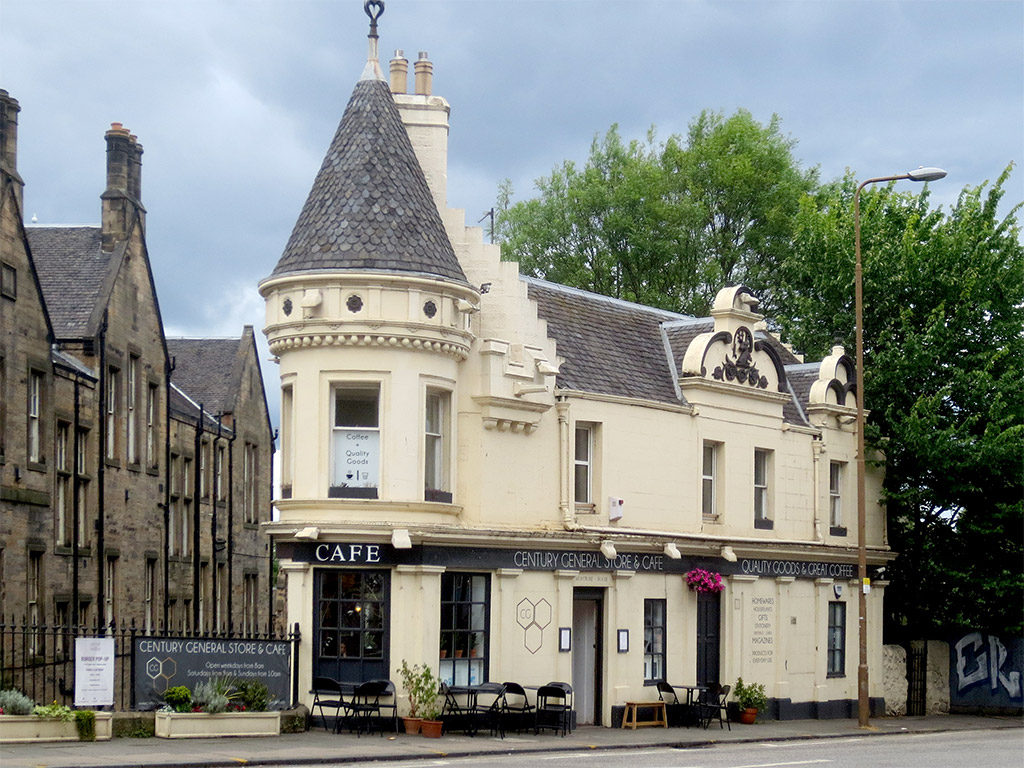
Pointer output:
x,y
355,443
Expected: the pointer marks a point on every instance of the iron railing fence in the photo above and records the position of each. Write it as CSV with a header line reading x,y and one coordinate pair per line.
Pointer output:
x,y
38,659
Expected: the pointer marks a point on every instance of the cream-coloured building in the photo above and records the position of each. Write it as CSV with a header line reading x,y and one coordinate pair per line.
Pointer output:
x,y
509,479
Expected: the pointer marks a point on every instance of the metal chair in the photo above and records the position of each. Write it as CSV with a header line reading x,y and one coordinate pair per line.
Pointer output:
x,y
553,708
489,713
675,710
389,704
714,705
327,693
516,710
363,709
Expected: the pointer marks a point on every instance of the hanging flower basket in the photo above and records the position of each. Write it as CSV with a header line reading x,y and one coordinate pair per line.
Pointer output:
x,y
700,580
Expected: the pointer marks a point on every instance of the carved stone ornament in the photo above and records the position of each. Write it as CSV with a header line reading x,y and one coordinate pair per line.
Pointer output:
x,y
430,309
740,367
287,307
354,303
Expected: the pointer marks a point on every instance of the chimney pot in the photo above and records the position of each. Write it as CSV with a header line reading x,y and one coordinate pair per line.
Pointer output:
x,y
399,72
424,72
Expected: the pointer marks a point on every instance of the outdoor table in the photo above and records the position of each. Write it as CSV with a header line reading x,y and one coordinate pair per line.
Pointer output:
x,y
693,696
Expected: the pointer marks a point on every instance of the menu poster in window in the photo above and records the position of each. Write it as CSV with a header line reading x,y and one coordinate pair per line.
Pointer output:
x,y
356,458
94,671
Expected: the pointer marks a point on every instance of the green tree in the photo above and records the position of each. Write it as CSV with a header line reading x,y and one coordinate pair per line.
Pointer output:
x,y
664,224
943,346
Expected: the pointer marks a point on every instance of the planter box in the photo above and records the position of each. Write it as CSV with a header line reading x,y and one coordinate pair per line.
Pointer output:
x,y
22,728
202,725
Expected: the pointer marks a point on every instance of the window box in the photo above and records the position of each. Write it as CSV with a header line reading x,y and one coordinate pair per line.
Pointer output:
x,y
15,729
203,725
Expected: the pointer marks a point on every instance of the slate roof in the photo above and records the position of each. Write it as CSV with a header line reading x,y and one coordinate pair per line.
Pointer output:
x,y
72,269
608,346
370,207
615,347
204,370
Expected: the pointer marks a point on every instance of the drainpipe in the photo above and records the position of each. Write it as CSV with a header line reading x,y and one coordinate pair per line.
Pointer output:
x,y
169,366
271,548
196,518
231,521
101,461
76,512
215,491
816,450
564,468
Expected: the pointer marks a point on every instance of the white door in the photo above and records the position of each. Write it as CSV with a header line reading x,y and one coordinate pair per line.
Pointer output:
x,y
585,657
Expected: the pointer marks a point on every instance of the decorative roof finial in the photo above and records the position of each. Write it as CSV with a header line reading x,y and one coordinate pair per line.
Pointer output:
x,y
374,9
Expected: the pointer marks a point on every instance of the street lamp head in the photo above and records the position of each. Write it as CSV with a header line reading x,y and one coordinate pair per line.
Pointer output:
x,y
926,174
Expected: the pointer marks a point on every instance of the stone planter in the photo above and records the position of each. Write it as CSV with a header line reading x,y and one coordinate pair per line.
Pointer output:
x,y
202,725
22,728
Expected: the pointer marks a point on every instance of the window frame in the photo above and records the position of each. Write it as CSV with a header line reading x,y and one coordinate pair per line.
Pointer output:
x,y
63,492
250,484
836,477
835,655
437,446
34,454
131,413
709,485
762,487
336,489
152,402
655,654
112,448
464,644
8,281
583,465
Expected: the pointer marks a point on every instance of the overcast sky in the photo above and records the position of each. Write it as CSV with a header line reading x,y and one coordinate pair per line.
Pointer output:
x,y
236,101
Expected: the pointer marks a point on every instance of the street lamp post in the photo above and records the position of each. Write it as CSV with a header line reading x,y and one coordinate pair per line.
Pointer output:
x,y
863,707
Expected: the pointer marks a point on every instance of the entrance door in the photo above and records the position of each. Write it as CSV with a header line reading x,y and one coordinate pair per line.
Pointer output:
x,y
709,617
587,620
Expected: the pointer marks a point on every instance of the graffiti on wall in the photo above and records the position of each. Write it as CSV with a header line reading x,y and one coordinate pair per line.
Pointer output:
x,y
986,672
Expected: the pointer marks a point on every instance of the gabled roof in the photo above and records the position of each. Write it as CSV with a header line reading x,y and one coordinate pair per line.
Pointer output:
x,y
370,208
204,369
72,269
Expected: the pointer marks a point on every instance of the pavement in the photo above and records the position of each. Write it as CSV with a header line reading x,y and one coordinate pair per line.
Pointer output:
x,y
316,747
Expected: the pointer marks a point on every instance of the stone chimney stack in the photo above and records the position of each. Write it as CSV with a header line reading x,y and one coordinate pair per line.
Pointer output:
x,y
9,109
425,117
399,73
121,199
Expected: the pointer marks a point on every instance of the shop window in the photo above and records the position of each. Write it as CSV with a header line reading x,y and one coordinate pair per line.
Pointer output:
x,y
583,466
465,600
836,639
35,417
436,447
836,472
709,479
654,640
355,443
350,640
762,489
64,494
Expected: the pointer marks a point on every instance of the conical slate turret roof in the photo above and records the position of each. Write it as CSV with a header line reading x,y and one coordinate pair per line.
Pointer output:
x,y
370,207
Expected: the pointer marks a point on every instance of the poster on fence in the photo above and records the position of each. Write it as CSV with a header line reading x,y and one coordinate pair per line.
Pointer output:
x,y
165,662
94,671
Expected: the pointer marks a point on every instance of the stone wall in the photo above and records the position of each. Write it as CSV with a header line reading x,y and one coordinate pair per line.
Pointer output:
x,y
894,675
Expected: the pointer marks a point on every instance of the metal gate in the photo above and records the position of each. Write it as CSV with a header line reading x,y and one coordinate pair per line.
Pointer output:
x,y
917,673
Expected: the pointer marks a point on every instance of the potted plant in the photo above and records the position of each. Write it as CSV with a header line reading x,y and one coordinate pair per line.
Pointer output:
x,y
750,698
701,580
422,689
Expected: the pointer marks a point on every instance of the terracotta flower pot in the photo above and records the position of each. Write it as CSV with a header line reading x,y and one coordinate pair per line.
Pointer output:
x,y
431,728
412,724
748,716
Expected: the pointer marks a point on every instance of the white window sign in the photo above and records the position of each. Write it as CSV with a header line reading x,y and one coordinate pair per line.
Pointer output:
x,y
94,671
356,457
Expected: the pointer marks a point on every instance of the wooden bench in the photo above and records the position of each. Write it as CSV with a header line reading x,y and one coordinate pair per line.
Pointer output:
x,y
658,715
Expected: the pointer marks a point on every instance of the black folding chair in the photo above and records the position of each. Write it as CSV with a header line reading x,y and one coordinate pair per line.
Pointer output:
x,y
363,709
487,707
454,715
553,709
713,705
389,705
674,709
327,694
517,712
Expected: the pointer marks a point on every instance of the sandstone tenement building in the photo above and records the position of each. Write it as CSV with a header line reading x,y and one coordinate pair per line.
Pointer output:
x,y
134,469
